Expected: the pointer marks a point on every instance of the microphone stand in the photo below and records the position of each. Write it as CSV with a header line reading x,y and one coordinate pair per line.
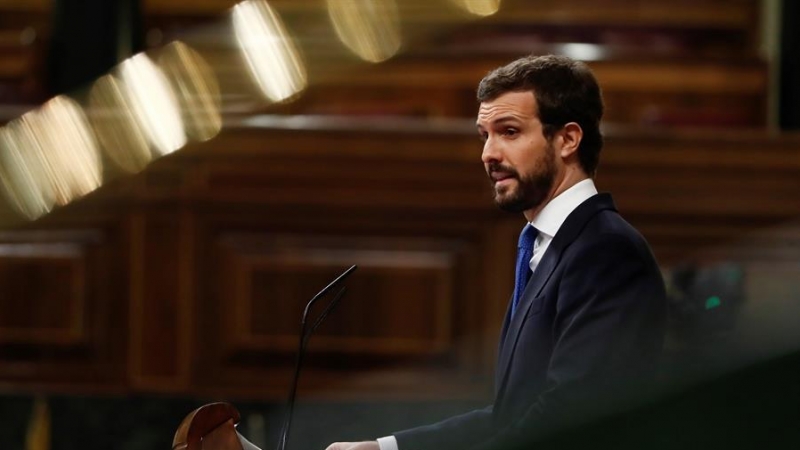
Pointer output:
x,y
305,335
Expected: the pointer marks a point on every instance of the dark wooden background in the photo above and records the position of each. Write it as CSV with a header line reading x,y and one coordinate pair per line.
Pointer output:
x,y
189,278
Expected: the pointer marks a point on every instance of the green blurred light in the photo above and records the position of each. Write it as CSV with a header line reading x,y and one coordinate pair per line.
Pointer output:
x,y
713,302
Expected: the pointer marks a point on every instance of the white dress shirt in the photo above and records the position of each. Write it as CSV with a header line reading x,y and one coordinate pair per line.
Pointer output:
x,y
548,221
553,215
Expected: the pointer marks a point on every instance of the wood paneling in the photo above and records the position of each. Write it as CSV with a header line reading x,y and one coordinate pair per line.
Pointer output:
x,y
687,188
44,288
412,303
161,294
737,14
671,91
61,319
394,282
191,276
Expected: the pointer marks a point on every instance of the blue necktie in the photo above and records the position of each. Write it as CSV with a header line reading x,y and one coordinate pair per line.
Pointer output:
x,y
524,254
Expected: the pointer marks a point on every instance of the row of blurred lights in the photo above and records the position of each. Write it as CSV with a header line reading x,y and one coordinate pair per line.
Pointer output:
x,y
144,109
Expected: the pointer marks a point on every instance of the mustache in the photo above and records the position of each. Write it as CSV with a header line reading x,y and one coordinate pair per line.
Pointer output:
x,y
495,167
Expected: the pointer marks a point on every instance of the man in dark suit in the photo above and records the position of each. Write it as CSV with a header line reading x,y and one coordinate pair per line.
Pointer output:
x,y
586,322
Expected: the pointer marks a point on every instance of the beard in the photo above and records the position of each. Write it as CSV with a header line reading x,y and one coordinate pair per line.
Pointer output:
x,y
530,190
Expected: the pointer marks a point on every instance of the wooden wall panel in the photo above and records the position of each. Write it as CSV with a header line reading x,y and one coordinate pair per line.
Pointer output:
x,y
161,304
44,289
411,301
400,303
61,315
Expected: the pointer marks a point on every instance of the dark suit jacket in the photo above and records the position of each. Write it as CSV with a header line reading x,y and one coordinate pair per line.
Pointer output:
x,y
590,325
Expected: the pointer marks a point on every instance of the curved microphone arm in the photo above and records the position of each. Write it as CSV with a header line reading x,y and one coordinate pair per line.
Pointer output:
x,y
305,335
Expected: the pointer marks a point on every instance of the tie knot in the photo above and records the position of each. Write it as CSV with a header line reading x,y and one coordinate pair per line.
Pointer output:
x,y
527,237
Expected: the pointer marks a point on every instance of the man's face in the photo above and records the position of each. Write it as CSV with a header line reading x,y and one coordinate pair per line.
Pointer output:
x,y
520,162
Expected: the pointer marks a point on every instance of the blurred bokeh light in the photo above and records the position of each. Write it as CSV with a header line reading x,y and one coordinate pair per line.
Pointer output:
x,y
70,148
153,103
479,7
22,175
270,52
196,87
369,28
120,135
49,156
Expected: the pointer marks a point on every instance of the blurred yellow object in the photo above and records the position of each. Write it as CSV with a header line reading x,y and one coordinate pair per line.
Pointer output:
x,y
195,85
481,8
269,50
119,133
369,28
48,156
38,434
22,176
69,149
153,103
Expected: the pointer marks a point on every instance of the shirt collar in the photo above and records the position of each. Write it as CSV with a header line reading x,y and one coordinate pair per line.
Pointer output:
x,y
550,218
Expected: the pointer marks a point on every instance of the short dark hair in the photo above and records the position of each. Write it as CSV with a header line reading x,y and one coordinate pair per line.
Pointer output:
x,y
565,91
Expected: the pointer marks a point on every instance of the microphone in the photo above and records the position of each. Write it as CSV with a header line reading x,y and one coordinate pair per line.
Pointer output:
x,y
305,335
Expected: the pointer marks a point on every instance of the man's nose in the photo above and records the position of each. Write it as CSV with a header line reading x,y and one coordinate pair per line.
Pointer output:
x,y
490,151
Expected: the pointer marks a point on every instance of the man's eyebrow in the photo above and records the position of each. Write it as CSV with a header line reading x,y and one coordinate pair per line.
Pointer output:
x,y
504,119
499,121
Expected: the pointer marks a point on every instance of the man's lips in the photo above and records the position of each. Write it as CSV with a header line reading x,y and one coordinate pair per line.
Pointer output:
x,y
500,176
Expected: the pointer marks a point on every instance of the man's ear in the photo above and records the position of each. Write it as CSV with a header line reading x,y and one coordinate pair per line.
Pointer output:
x,y
571,136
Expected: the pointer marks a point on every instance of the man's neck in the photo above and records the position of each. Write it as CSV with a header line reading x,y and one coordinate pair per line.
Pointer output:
x,y
570,178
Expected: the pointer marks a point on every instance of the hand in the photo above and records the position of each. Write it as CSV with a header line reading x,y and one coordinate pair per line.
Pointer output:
x,y
366,445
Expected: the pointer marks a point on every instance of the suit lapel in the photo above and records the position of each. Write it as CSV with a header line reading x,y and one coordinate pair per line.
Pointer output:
x,y
568,232
538,279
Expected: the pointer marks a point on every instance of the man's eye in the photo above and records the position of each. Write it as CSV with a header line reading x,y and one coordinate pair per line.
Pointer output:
x,y
510,131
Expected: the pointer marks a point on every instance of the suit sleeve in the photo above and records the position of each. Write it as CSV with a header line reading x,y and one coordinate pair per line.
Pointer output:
x,y
458,432
608,333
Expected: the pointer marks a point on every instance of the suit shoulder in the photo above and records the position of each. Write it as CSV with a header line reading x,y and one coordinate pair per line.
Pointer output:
x,y
609,228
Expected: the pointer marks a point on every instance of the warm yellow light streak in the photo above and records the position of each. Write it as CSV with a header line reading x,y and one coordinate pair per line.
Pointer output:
x,y
118,132
481,8
271,55
48,156
23,180
69,149
153,102
196,88
369,28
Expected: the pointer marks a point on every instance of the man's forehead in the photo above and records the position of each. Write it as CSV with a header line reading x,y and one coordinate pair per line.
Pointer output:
x,y
508,106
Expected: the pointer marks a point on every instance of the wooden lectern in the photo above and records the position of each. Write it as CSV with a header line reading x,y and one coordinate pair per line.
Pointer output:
x,y
211,427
